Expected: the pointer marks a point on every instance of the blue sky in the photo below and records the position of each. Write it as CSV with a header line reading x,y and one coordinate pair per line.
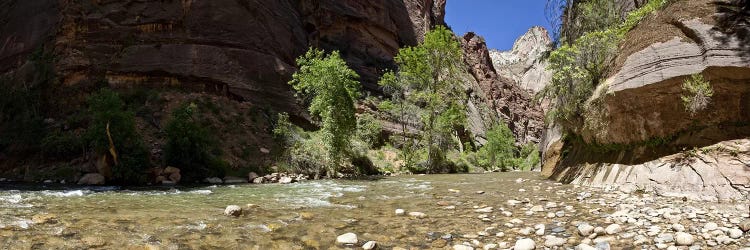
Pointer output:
x,y
500,22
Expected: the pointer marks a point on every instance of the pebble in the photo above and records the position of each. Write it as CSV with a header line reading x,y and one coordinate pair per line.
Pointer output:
x,y
462,247
678,227
513,202
484,210
490,246
584,247
539,229
745,225
735,233
553,241
347,238
710,226
233,210
602,245
370,245
684,239
613,229
400,212
585,229
664,238
419,215
524,244
526,231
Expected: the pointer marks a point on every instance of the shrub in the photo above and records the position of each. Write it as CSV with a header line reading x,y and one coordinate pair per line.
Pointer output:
x,y
697,93
369,130
21,121
190,146
529,157
498,153
62,145
308,156
110,119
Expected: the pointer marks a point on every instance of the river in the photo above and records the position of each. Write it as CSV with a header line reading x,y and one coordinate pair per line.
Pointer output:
x,y
493,209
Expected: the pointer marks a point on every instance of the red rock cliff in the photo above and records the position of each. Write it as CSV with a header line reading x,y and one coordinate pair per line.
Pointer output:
x,y
244,49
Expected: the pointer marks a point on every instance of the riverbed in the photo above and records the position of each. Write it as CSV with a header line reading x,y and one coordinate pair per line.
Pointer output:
x,y
493,210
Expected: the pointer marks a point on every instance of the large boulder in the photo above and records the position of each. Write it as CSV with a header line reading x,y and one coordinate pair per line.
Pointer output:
x,y
91,179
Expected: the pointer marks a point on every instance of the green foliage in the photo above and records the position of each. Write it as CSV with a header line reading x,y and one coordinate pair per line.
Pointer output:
x,y
369,130
426,92
62,145
21,106
190,146
282,129
529,157
333,87
107,109
580,66
584,16
498,153
697,93
635,17
21,121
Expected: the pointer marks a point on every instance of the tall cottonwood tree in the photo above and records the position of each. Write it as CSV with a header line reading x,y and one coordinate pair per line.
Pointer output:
x,y
427,87
333,87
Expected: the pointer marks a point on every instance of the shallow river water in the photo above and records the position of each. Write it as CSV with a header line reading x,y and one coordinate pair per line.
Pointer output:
x,y
310,215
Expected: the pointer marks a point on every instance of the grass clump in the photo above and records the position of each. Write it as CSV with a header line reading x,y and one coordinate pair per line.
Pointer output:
x,y
697,93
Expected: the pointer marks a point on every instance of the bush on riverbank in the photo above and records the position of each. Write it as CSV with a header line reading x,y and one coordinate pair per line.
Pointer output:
x,y
112,132
190,146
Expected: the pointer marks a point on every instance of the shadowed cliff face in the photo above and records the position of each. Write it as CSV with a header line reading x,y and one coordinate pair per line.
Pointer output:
x,y
244,49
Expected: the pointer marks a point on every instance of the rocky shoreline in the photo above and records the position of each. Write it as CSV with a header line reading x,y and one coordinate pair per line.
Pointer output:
x,y
619,219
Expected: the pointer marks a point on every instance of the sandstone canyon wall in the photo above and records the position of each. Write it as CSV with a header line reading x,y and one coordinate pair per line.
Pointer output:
x,y
243,49
646,139
238,54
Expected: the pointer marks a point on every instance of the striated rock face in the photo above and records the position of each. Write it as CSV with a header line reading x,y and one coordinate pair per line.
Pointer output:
x,y
641,124
719,172
500,94
525,63
244,49
656,74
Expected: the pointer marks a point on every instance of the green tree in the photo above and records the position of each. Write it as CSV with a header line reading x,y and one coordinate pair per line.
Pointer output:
x,y
112,131
591,33
427,78
190,146
333,88
499,151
